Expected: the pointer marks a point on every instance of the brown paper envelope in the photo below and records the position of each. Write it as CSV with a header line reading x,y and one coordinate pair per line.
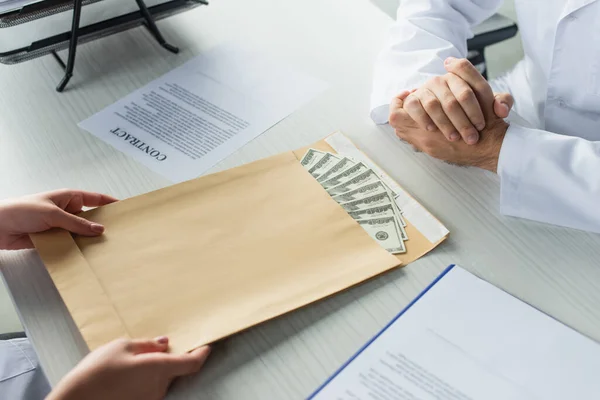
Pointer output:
x,y
204,259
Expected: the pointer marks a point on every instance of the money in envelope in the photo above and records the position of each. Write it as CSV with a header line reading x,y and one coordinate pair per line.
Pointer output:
x,y
363,194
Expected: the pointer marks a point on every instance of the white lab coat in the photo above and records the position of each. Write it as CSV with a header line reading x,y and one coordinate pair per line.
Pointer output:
x,y
550,164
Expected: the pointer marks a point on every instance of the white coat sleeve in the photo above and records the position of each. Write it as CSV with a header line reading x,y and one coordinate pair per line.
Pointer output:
x,y
550,178
425,33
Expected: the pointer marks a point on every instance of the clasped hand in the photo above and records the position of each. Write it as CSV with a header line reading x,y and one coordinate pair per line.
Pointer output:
x,y
455,117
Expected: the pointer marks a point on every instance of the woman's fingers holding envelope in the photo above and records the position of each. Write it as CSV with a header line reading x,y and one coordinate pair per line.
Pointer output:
x,y
41,212
57,218
74,200
128,369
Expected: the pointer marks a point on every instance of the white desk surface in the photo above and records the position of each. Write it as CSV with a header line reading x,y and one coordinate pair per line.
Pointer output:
x,y
555,269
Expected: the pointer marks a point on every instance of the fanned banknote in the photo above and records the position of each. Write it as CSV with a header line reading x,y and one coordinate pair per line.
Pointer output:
x,y
340,166
386,210
354,182
345,175
324,164
363,195
311,157
361,192
376,200
386,232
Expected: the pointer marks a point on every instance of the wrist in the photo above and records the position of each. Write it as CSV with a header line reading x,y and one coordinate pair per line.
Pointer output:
x,y
492,136
71,387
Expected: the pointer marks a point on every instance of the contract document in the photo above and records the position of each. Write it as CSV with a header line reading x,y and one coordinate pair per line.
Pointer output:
x,y
185,122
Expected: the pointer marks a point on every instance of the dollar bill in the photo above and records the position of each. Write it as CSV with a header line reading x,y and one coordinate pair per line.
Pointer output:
x,y
345,175
361,192
376,203
386,210
354,183
399,215
323,165
402,230
369,202
311,157
386,232
337,168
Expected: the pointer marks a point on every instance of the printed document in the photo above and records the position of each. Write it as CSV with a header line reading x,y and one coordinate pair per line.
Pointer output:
x,y
185,122
465,339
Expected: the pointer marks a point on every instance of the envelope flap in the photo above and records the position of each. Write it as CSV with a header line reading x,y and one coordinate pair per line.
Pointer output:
x,y
78,285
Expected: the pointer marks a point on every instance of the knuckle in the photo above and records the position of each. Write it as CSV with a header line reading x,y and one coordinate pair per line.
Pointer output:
x,y
394,118
481,87
60,193
467,129
437,80
411,102
464,96
431,103
452,104
463,63
52,211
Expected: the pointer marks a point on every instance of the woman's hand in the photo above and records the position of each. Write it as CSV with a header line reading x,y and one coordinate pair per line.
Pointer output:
x,y
128,370
43,211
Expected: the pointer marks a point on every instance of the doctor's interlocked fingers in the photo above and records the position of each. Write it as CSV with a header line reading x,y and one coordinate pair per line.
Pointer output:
x,y
457,104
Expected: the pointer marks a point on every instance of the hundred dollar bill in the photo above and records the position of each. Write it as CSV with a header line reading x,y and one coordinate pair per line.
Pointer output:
x,y
311,157
402,230
386,232
370,190
337,168
386,210
361,192
399,214
324,164
345,176
355,182
377,200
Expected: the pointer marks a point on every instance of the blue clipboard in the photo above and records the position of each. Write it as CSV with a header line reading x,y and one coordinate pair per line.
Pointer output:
x,y
332,377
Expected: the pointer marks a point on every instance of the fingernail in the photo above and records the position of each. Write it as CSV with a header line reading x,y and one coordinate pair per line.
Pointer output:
x,y
449,60
472,139
480,126
162,340
97,228
506,108
453,136
430,127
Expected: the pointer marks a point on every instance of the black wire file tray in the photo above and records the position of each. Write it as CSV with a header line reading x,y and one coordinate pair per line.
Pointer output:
x,y
141,14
